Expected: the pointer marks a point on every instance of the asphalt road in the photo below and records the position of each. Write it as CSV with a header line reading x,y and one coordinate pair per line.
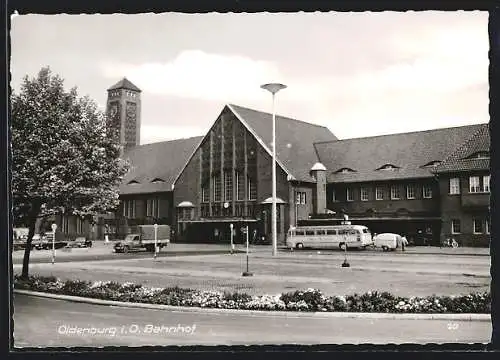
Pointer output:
x,y
403,274
48,322
45,256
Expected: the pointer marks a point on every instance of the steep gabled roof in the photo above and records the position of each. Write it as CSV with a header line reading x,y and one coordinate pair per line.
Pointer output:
x,y
410,152
294,139
124,84
462,158
154,162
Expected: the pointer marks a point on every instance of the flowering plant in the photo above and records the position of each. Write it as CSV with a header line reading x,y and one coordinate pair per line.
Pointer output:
x,y
300,300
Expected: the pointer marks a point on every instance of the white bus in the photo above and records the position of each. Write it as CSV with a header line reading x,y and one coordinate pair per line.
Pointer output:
x,y
329,237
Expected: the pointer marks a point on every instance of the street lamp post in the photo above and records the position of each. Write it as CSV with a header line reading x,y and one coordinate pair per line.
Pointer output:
x,y
273,88
54,228
232,243
156,241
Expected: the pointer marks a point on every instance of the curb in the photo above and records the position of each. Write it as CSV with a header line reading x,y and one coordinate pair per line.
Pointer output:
x,y
296,314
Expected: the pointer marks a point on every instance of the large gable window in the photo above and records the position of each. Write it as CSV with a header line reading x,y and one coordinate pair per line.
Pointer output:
x,y
240,186
228,185
252,189
205,193
216,186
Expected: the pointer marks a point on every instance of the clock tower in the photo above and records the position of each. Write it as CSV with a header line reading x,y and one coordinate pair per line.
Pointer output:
x,y
124,106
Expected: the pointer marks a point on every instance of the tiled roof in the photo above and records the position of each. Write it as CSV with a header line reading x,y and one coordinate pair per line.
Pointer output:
x,y
124,84
156,161
462,158
407,151
294,139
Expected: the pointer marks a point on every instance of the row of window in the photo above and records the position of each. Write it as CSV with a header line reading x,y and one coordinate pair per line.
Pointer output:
x,y
395,193
65,224
300,197
479,226
476,185
228,188
152,208
126,92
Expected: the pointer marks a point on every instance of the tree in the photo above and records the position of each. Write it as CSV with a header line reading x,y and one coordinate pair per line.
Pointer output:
x,y
65,154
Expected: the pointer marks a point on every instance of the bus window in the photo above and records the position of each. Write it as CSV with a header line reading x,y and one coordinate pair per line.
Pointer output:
x,y
342,232
366,231
299,232
331,232
353,232
309,232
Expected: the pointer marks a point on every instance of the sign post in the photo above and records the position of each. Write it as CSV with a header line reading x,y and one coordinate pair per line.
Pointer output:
x,y
232,243
247,272
54,228
156,240
346,222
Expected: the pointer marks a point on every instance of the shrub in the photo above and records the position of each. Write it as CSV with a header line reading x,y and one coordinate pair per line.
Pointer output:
x,y
307,300
310,299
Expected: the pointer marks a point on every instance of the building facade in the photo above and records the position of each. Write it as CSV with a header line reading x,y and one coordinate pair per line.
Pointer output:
x,y
227,182
464,181
428,185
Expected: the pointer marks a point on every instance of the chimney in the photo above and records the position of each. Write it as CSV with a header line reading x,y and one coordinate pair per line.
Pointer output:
x,y
318,172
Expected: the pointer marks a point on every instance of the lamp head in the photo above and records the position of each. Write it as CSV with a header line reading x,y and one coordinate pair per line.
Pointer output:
x,y
273,87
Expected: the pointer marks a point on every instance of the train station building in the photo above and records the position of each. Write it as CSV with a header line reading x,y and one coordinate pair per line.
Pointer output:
x,y
428,185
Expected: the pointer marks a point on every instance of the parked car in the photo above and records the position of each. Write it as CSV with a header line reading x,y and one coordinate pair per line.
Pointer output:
x,y
387,241
39,242
81,242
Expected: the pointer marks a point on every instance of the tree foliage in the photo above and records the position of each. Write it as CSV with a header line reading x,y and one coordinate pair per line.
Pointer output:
x,y
65,153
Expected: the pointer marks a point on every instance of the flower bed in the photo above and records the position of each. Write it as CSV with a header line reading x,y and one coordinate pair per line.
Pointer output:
x,y
311,300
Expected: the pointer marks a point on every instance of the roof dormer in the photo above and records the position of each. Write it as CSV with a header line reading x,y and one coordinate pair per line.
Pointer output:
x,y
157,181
432,163
344,170
133,182
388,167
479,155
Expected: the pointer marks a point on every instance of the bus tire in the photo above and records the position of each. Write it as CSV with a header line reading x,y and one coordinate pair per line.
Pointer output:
x,y
341,245
384,248
299,246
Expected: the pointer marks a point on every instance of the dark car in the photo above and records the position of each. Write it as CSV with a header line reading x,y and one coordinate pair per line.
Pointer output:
x,y
82,242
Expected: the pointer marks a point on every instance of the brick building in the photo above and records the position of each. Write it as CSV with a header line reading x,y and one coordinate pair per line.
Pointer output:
x,y
464,185
389,182
227,179
428,185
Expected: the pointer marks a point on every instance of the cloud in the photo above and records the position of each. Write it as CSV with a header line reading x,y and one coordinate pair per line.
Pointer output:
x,y
199,75
155,133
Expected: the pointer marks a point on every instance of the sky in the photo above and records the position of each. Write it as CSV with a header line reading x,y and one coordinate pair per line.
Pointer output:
x,y
359,74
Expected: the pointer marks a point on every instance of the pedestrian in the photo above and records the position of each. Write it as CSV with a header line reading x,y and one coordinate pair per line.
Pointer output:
x,y
404,242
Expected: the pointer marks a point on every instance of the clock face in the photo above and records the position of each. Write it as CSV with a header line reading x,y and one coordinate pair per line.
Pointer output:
x,y
113,110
